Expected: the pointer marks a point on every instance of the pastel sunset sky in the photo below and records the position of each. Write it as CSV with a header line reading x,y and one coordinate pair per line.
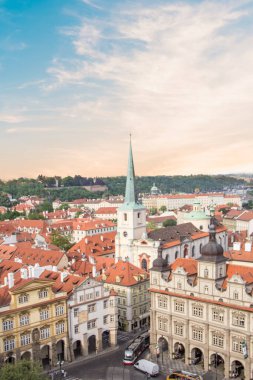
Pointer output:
x,y
77,76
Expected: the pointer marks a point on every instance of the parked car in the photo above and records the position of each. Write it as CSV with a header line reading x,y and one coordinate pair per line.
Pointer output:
x,y
147,367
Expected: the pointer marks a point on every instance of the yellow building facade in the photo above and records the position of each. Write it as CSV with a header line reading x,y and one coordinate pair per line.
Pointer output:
x,y
33,322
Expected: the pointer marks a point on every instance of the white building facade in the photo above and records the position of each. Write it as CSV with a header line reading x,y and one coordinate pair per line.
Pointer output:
x,y
92,318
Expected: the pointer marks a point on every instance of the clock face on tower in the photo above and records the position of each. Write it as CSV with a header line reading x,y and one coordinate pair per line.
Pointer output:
x,y
125,233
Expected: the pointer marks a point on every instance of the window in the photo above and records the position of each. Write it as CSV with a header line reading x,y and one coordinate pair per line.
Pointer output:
x,y
44,333
179,285
162,324
218,315
75,312
59,310
8,324
43,293
176,255
97,293
60,328
91,324
125,217
76,329
112,318
221,271
105,319
235,295
89,296
139,215
179,329
206,290
91,308
111,302
179,306
237,344
217,339
81,298
24,320
44,314
197,311
162,302
206,273
197,334
9,344
105,304
238,319
23,298
193,251
25,339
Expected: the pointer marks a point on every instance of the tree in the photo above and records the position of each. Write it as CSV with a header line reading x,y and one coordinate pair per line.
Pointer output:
x,y
151,226
22,370
163,208
153,211
169,222
61,241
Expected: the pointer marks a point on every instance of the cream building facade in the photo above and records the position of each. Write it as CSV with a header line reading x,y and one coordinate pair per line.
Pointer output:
x,y
92,318
202,310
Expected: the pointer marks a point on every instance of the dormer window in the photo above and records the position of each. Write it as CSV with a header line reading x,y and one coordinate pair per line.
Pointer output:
x,y
206,273
206,290
179,285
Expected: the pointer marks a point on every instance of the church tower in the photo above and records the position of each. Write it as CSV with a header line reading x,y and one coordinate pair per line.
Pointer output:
x,y
131,217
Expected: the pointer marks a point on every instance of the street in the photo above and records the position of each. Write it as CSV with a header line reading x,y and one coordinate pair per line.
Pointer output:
x,y
107,366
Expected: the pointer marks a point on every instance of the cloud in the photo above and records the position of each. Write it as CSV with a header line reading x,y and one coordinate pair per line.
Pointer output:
x,y
178,75
11,119
30,130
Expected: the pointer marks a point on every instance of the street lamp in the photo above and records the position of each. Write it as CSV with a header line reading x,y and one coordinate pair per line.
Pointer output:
x,y
60,363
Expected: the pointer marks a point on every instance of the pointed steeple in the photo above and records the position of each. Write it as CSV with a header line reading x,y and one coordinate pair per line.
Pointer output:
x,y
130,196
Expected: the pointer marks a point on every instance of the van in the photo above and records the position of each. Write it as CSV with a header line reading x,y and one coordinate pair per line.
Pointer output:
x,y
148,367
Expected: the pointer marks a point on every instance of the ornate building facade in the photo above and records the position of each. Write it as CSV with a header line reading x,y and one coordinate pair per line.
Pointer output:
x,y
33,321
202,310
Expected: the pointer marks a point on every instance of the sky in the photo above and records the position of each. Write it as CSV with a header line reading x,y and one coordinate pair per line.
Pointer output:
x,y
77,77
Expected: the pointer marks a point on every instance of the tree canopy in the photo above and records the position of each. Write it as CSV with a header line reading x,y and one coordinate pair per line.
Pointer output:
x,y
22,370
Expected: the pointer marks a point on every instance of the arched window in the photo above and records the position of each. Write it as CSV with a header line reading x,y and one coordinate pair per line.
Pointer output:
x,y
144,264
176,255
206,289
193,251
200,248
185,250
206,273
221,271
167,258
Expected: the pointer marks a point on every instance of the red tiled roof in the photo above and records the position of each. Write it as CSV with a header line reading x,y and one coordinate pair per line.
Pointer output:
x,y
106,210
190,265
31,256
69,282
127,274
91,224
100,244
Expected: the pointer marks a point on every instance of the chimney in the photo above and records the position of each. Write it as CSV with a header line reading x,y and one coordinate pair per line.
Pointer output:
x,y
5,281
24,273
248,247
11,279
236,246
30,271
92,260
94,271
73,261
102,238
63,276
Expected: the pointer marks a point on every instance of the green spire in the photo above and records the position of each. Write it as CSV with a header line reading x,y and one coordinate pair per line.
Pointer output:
x,y
130,196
